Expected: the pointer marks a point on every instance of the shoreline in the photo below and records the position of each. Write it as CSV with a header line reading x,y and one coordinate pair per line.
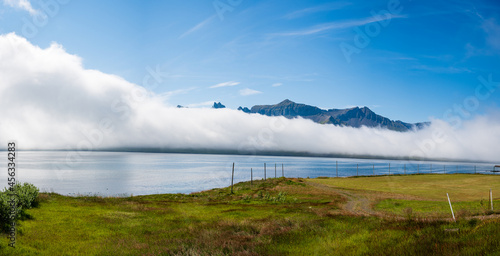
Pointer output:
x,y
262,154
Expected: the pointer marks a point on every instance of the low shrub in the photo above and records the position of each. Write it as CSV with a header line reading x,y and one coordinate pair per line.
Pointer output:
x,y
27,195
22,197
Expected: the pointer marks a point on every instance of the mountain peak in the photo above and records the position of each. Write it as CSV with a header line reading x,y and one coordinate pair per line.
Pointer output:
x,y
244,109
287,101
218,105
286,108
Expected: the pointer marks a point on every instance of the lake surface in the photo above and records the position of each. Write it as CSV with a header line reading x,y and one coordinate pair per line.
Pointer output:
x,y
125,173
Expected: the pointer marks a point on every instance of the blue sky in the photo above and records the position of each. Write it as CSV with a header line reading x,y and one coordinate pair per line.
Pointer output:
x,y
421,60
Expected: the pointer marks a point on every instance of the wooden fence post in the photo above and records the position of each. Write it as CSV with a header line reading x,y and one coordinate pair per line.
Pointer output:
x,y
453,214
283,170
264,171
491,199
373,169
251,176
389,168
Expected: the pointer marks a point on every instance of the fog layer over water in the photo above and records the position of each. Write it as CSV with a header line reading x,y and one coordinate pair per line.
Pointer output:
x,y
48,100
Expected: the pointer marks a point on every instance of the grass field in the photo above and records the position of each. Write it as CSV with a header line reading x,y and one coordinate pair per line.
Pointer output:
x,y
461,187
275,217
425,195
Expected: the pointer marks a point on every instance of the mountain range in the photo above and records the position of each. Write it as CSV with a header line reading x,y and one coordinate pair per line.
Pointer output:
x,y
351,117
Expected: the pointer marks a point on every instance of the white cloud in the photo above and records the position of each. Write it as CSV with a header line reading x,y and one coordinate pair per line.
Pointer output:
x,y
338,25
48,100
316,9
277,84
225,84
444,70
167,95
21,4
248,92
198,26
492,30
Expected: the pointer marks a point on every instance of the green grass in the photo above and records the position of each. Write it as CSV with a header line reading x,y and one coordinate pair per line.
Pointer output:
x,y
370,236
276,217
436,208
461,187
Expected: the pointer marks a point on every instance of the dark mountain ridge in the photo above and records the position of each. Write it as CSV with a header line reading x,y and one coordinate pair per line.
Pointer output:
x,y
352,117
218,105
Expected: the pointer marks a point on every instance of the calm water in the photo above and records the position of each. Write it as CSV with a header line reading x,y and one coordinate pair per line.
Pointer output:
x,y
119,173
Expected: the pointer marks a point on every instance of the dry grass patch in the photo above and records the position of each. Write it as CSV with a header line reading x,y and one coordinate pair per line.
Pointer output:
x,y
461,187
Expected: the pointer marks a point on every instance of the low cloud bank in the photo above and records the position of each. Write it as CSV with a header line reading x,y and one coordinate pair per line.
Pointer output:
x,y
49,101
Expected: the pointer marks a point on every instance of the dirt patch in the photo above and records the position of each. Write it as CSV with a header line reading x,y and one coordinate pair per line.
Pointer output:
x,y
355,204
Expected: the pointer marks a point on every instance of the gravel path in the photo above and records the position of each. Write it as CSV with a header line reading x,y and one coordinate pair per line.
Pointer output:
x,y
356,204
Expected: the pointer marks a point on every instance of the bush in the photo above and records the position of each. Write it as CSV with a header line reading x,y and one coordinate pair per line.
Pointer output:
x,y
26,197
27,194
5,211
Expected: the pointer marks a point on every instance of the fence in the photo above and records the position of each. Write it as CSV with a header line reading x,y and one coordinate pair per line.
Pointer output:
x,y
363,168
